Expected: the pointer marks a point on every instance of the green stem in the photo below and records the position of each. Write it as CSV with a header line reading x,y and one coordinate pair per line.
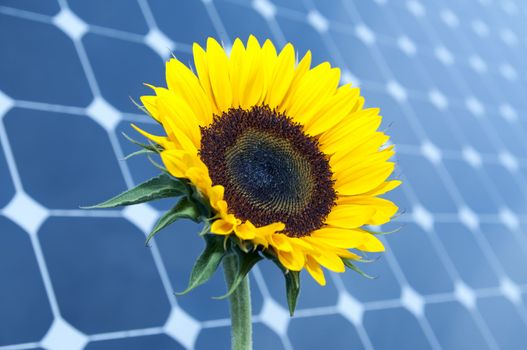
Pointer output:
x,y
240,301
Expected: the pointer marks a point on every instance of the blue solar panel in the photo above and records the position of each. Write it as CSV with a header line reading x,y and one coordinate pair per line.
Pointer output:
x,y
451,80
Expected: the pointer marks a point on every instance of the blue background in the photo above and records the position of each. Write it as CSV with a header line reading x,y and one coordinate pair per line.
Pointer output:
x,y
451,80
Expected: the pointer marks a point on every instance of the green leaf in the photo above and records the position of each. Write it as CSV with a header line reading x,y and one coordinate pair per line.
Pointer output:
x,y
292,284
351,266
207,262
184,209
246,261
161,186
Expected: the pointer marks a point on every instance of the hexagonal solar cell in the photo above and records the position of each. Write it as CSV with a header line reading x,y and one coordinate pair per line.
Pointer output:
x,y
89,260
72,150
46,77
24,303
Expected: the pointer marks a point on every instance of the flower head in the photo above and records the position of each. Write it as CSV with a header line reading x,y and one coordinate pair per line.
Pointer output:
x,y
286,158
274,156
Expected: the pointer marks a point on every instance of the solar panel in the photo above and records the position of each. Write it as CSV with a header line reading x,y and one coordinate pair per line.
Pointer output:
x,y
451,80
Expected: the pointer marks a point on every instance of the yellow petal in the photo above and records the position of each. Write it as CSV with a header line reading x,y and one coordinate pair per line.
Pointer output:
x,y
264,233
236,60
364,179
260,240
312,92
149,102
349,162
271,228
160,140
223,226
377,143
349,216
336,240
269,59
336,109
178,118
330,261
301,69
339,237
359,104
182,81
219,72
269,55
301,243
293,260
252,79
372,244
216,193
245,230
172,166
201,173
282,76
202,68
315,270
175,162
383,188
281,242
346,254
384,209
221,207
350,131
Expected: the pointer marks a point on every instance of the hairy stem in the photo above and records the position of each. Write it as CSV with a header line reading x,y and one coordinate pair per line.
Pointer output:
x,y
240,303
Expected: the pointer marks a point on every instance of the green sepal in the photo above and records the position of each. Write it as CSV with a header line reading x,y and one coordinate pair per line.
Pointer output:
x,y
353,267
207,263
246,261
292,285
136,153
246,246
184,209
292,282
157,165
161,186
379,233
202,202
150,146
205,229
367,261
144,110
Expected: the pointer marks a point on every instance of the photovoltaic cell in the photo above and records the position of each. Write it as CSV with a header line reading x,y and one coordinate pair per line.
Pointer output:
x,y
450,79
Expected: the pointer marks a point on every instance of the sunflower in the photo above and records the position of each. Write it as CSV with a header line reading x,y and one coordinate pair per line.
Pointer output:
x,y
289,161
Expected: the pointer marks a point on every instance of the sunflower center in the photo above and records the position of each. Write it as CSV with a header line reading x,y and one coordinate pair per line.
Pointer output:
x,y
270,169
